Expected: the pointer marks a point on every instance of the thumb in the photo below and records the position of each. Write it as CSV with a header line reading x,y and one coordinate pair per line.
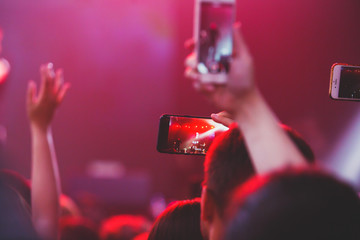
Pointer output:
x,y
220,118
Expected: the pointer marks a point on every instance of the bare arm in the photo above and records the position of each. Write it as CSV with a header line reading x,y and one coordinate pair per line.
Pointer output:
x,y
268,144
45,179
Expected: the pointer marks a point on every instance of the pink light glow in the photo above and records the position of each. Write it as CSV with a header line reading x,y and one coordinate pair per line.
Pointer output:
x,y
4,69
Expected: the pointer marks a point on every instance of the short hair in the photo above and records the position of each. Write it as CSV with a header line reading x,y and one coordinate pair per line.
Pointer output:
x,y
180,221
228,164
72,228
123,227
294,204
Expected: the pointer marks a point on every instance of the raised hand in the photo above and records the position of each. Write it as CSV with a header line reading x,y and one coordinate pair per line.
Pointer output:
x,y
41,107
268,144
240,79
45,179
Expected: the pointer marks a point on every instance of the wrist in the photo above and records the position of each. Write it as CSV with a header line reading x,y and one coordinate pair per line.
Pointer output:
x,y
247,100
39,128
251,109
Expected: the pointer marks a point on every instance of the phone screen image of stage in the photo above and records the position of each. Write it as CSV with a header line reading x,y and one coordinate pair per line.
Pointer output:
x,y
215,37
192,135
349,82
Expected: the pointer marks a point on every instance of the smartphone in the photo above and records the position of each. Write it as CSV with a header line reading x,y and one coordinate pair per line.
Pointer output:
x,y
213,30
187,134
345,82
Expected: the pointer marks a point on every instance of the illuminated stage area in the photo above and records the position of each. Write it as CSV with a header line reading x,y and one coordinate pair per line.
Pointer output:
x,y
193,136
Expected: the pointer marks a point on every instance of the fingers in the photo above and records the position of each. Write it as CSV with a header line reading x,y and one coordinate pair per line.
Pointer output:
x,y
47,79
223,118
239,46
191,73
59,80
190,44
41,107
43,79
31,92
52,83
60,87
198,81
225,114
62,92
191,61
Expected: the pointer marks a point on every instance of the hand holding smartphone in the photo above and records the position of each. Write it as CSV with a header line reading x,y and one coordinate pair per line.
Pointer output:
x,y
345,82
213,37
187,134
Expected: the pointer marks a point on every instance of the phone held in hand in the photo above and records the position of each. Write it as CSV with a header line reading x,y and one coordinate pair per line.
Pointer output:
x,y
213,23
345,82
191,135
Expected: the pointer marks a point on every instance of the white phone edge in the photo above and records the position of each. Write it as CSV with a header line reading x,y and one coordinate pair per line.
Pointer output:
x,y
335,80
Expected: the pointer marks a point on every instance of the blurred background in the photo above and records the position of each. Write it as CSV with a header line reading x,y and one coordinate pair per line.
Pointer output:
x,y
124,60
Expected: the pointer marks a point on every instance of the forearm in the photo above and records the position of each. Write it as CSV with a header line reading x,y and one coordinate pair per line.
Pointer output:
x,y
269,146
45,184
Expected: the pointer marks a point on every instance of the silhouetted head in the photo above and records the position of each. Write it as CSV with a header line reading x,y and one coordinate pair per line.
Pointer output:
x,y
73,228
18,183
294,204
123,227
15,220
227,165
180,221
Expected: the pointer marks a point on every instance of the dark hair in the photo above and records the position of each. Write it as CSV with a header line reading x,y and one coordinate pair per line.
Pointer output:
x,y
73,228
17,182
294,204
15,220
228,164
180,221
142,236
123,227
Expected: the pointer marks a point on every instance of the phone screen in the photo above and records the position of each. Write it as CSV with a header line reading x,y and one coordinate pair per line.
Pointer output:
x,y
186,134
215,37
349,86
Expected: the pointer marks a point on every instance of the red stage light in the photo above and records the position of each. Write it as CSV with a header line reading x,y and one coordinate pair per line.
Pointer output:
x,y
4,69
176,126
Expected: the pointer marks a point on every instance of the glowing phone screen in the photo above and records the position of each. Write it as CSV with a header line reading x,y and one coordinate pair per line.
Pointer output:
x,y
349,82
215,37
192,135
